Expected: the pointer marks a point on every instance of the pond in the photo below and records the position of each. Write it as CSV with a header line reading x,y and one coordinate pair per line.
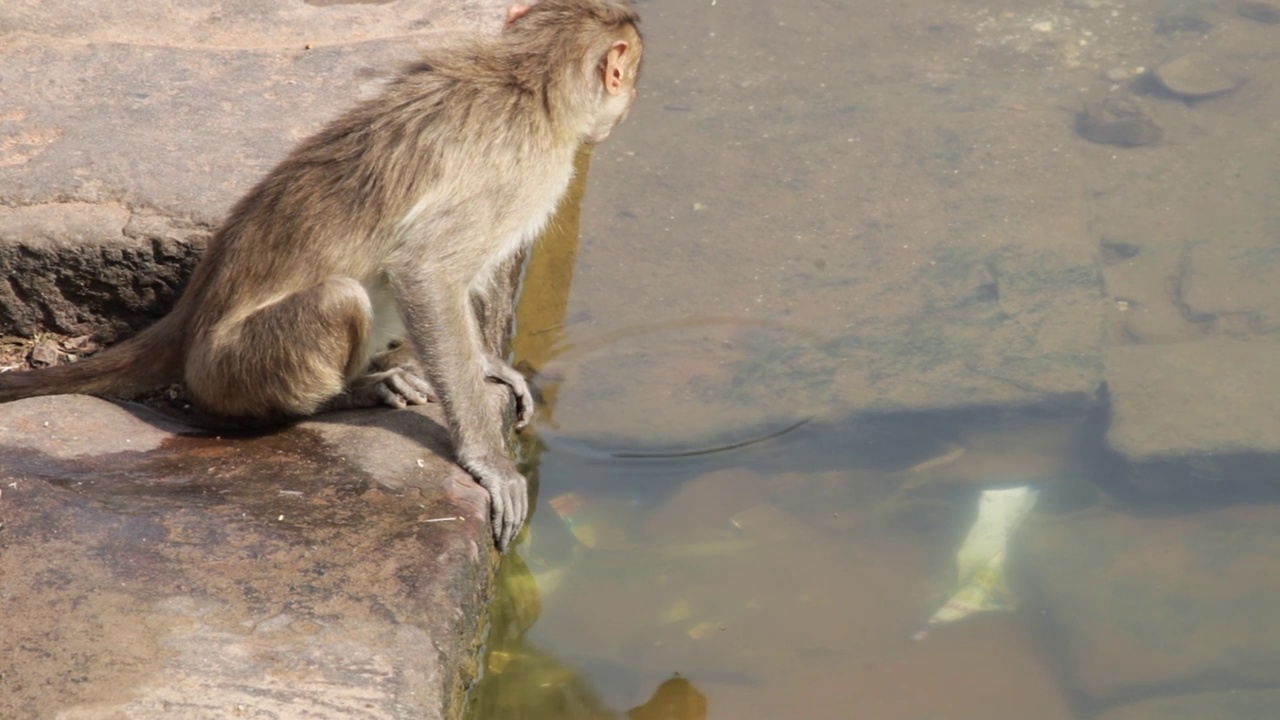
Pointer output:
x,y
847,268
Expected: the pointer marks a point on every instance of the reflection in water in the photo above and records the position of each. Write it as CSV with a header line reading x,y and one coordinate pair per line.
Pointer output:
x,y
544,296
519,680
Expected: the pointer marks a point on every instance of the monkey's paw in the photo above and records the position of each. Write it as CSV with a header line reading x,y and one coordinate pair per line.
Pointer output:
x,y
398,387
508,496
501,371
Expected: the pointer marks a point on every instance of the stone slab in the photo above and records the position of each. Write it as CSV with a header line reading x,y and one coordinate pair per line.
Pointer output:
x,y
1141,607
338,567
165,114
1193,399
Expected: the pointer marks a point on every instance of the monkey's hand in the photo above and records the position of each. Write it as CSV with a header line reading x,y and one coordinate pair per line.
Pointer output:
x,y
498,369
508,494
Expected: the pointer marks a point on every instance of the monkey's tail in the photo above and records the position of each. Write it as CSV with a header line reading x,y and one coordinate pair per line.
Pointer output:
x,y
147,360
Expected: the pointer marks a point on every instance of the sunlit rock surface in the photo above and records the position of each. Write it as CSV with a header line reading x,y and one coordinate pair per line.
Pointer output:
x,y
128,129
334,568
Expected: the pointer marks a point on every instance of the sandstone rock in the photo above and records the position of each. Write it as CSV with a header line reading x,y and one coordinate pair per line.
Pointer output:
x,y
337,567
143,124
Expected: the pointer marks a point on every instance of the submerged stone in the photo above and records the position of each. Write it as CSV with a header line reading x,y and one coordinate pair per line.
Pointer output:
x,y
1145,606
1118,121
1196,77
1264,11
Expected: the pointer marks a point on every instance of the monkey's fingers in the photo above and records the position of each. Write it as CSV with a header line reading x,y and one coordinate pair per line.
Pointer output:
x,y
520,505
411,388
508,504
389,397
498,370
512,517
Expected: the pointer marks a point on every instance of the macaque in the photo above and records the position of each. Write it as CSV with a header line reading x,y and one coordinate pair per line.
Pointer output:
x,y
348,276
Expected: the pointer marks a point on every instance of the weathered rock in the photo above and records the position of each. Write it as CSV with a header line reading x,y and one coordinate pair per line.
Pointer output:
x,y
1031,334
260,24
1264,11
129,130
1147,606
337,567
718,383
79,267
1193,399
1138,279
1122,121
1233,277
1196,76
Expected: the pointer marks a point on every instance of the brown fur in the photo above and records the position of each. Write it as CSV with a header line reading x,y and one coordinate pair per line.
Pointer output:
x,y
389,223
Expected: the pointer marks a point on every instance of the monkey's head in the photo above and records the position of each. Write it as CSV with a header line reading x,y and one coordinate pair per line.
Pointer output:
x,y
602,35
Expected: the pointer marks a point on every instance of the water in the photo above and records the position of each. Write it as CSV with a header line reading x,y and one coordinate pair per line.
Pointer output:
x,y
845,268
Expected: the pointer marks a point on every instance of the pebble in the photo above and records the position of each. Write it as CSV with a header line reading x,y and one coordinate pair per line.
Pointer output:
x,y
1196,77
1264,11
44,354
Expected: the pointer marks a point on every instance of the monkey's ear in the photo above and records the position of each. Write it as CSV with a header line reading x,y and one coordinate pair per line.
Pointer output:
x,y
614,60
517,11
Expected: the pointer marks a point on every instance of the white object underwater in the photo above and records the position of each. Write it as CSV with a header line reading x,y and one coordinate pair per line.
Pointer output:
x,y
980,581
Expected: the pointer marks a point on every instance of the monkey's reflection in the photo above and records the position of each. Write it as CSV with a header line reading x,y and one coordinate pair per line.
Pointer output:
x,y
675,699
544,292
521,681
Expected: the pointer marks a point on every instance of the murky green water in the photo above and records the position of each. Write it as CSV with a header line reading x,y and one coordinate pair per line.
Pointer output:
x,y
847,267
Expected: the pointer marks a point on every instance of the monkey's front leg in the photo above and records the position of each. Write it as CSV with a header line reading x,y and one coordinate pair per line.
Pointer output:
x,y
438,315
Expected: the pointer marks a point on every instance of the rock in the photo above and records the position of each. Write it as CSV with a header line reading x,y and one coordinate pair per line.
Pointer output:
x,y
1196,76
1229,705
1122,121
1193,399
339,566
1016,327
77,267
134,128
1134,605
716,384
1232,275
1179,20
45,353
1264,11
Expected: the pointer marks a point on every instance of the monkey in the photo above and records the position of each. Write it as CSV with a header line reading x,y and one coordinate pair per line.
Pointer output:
x,y
388,225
